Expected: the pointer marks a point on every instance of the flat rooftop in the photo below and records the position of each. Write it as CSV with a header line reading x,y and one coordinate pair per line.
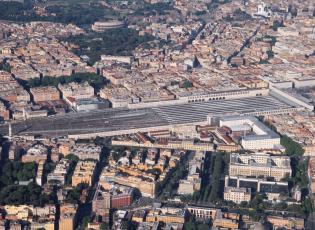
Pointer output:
x,y
109,120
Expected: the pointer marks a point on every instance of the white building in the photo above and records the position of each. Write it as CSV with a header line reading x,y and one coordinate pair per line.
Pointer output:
x,y
60,172
259,137
260,165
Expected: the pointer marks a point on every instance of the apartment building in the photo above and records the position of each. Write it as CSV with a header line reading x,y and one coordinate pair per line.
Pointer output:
x,y
101,203
237,195
68,214
145,184
76,91
204,212
86,151
225,223
167,215
113,197
286,222
47,93
83,173
36,154
60,172
37,216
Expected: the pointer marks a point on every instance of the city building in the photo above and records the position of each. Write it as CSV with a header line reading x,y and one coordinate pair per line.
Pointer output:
x,y
260,164
145,184
204,212
254,135
68,216
237,195
257,184
60,172
86,151
36,154
83,173
74,91
46,93
286,222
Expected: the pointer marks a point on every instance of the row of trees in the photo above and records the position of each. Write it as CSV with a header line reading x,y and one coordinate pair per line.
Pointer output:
x,y
93,79
211,189
73,162
30,194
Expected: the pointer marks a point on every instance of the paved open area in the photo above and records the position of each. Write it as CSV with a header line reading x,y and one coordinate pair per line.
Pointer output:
x,y
125,119
196,112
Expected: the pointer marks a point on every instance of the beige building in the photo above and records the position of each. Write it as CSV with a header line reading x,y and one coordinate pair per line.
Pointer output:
x,y
76,90
47,93
204,212
225,223
36,154
83,173
237,195
146,185
288,223
67,218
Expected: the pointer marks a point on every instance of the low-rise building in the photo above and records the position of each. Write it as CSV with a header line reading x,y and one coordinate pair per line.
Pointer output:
x,y
257,184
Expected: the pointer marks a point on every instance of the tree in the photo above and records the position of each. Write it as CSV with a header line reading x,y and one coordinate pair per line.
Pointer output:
x,y
96,81
216,175
292,148
276,24
104,226
85,221
73,162
187,84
